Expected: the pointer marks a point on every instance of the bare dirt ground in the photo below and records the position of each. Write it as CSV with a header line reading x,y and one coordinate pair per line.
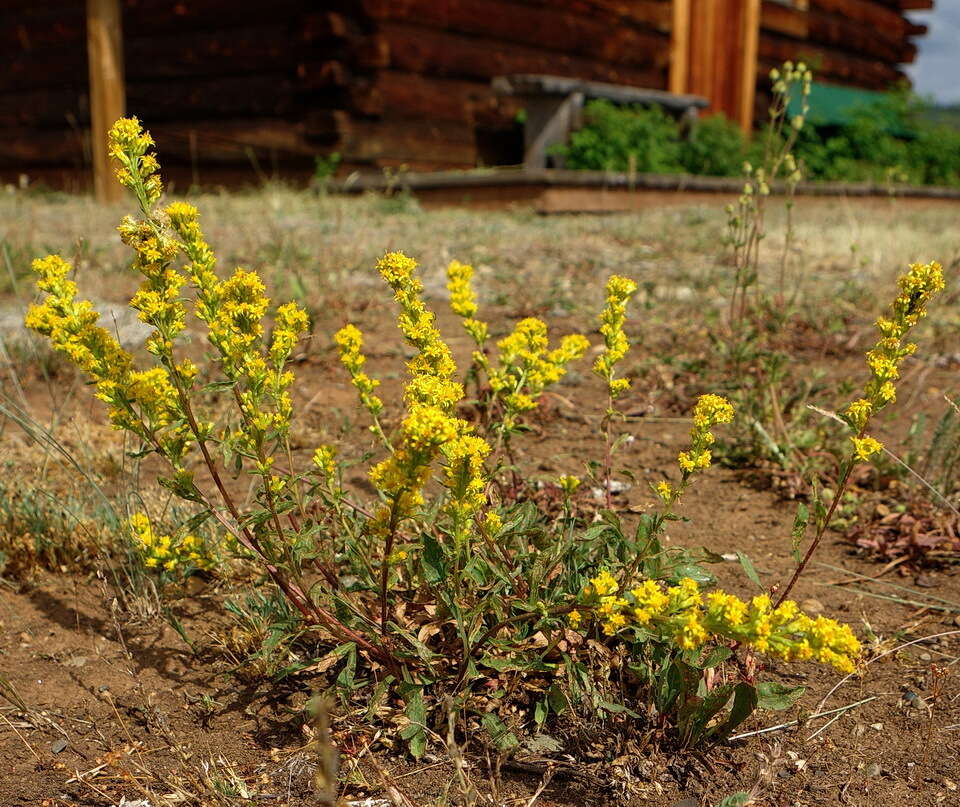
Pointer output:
x,y
102,702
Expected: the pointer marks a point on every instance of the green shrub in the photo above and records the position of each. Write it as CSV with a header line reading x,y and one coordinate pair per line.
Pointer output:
x,y
716,147
612,134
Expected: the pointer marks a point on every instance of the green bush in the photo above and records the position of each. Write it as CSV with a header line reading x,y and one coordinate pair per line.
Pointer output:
x,y
612,134
716,147
895,139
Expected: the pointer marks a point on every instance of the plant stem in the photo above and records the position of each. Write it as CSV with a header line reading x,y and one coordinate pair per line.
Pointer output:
x,y
841,486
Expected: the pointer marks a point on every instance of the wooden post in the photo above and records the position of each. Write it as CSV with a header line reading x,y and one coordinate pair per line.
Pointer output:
x,y
750,35
680,47
107,93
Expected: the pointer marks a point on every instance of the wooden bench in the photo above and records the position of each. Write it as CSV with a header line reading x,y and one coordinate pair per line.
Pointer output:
x,y
554,107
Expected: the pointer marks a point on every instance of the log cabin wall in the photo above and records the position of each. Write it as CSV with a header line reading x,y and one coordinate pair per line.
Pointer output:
x,y
237,90
856,43
217,82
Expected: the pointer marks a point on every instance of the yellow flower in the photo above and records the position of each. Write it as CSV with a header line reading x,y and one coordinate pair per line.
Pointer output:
x,y
568,484
526,366
604,584
349,339
325,459
463,300
865,447
680,614
612,318
917,288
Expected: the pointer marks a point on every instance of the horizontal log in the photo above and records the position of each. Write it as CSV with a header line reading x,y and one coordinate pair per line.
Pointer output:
x,y
370,141
244,51
782,19
655,14
551,27
830,63
413,95
915,5
839,32
250,96
203,142
867,12
143,17
423,50
230,96
30,148
232,141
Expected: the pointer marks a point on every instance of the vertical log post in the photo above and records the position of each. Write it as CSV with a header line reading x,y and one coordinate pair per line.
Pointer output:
x,y
750,35
107,93
680,47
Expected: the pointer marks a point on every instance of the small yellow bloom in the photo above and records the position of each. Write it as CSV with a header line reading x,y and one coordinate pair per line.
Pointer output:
x,y
568,484
865,447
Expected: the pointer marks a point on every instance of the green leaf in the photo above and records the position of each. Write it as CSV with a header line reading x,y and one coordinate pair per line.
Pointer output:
x,y
749,570
556,699
376,698
716,656
692,570
415,732
477,570
776,697
433,560
616,709
502,737
738,799
744,705
800,522
346,677
540,712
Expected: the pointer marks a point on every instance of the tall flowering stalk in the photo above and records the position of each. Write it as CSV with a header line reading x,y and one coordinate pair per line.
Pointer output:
x,y
156,403
709,411
615,342
463,301
917,287
430,432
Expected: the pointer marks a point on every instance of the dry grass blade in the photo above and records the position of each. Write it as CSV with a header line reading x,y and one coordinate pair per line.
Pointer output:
x,y
922,598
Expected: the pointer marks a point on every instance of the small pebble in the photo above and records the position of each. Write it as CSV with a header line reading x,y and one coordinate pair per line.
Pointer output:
x,y
812,607
925,657
872,771
58,746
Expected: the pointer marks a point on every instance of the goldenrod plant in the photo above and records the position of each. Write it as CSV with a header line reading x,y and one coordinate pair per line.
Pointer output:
x,y
441,582
916,288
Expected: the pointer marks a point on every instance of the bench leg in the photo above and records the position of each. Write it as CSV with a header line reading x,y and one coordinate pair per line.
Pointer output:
x,y
549,121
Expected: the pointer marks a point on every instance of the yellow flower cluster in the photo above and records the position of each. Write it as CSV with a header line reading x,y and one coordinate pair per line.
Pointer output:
x,y
349,340
430,430
138,170
155,403
140,401
684,615
917,287
432,370
619,291
568,484
463,300
527,366
166,553
709,411
325,460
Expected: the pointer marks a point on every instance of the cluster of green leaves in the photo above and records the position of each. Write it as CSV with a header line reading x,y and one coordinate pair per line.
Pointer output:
x,y
893,139
896,139
622,138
